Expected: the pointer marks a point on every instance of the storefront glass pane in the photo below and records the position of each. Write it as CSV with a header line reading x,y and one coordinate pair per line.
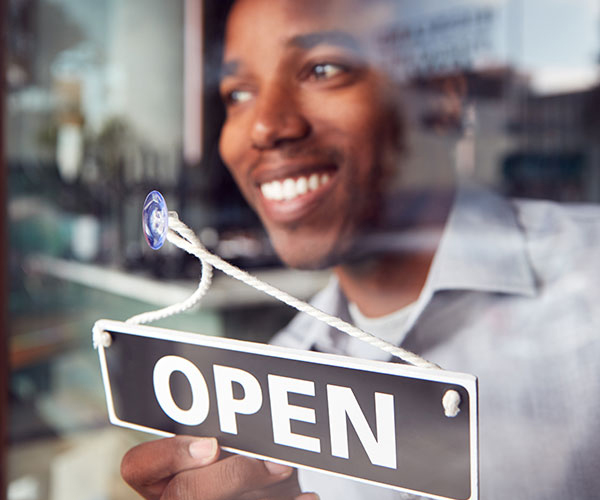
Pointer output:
x,y
108,100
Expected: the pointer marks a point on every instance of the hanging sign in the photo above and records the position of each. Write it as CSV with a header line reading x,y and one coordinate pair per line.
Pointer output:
x,y
377,422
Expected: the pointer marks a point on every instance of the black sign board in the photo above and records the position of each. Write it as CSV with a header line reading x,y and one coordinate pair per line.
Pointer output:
x,y
376,422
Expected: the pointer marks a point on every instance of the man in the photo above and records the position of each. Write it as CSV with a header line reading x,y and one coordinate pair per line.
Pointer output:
x,y
315,137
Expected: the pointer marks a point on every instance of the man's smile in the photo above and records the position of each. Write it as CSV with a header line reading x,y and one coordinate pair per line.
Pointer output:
x,y
291,192
291,187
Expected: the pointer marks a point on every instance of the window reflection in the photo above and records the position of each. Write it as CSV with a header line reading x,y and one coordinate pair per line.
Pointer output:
x,y
504,93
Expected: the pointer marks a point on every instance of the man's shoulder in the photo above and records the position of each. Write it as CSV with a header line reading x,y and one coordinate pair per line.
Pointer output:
x,y
562,241
551,217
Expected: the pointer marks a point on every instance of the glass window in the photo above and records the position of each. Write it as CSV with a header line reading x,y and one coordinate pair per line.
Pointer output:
x,y
433,163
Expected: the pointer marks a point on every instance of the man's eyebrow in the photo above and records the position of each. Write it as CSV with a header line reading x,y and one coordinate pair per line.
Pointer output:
x,y
304,41
339,38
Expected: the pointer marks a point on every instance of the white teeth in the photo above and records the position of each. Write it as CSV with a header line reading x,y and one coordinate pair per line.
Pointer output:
x,y
266,190
288,189
276,191
301,185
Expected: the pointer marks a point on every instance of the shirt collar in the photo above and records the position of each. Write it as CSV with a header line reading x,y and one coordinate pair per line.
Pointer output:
x,y
482,248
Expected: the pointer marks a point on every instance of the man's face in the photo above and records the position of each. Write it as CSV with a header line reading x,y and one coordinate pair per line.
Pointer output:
x,y
310,131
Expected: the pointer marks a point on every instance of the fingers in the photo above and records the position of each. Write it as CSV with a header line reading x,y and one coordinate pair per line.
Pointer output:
x,y
283,490
308,496
272,494
233,477
187,468
147,468
303,496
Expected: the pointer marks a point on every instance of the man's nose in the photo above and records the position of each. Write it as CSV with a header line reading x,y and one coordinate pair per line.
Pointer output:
x,y
278,118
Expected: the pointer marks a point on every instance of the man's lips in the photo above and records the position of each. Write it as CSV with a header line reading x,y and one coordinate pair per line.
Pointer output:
x,y
289,193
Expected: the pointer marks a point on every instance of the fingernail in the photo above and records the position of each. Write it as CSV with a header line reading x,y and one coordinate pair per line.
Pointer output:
x,y
203,449
278,469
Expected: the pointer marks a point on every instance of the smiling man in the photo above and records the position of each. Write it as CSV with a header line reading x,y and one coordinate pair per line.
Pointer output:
x,y
316,137
310,122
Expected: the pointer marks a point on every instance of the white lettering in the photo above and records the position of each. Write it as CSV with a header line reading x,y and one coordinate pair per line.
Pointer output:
x,y
163,370
282,412
227,405
341,402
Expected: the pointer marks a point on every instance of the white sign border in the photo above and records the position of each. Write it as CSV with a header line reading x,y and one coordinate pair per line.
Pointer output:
x,y
467,381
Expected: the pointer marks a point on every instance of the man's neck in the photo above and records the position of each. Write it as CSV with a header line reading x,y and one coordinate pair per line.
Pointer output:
x,y
382,285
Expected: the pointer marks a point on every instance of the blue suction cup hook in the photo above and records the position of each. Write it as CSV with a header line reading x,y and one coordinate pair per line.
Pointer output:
x,y
155,220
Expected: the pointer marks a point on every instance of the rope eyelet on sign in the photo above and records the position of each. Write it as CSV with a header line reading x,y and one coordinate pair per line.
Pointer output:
x,y
101,337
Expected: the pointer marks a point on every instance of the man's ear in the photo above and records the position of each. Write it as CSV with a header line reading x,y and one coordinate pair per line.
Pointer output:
x,y
443,111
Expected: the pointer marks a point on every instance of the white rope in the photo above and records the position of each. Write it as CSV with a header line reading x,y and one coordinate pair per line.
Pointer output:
x,y
100,337
183,237
192,300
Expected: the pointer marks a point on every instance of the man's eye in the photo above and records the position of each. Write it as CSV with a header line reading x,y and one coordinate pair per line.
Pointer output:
x,y
324,71
238,96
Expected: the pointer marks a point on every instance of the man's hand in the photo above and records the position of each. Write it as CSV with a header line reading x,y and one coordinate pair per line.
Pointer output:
x,y
190,468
